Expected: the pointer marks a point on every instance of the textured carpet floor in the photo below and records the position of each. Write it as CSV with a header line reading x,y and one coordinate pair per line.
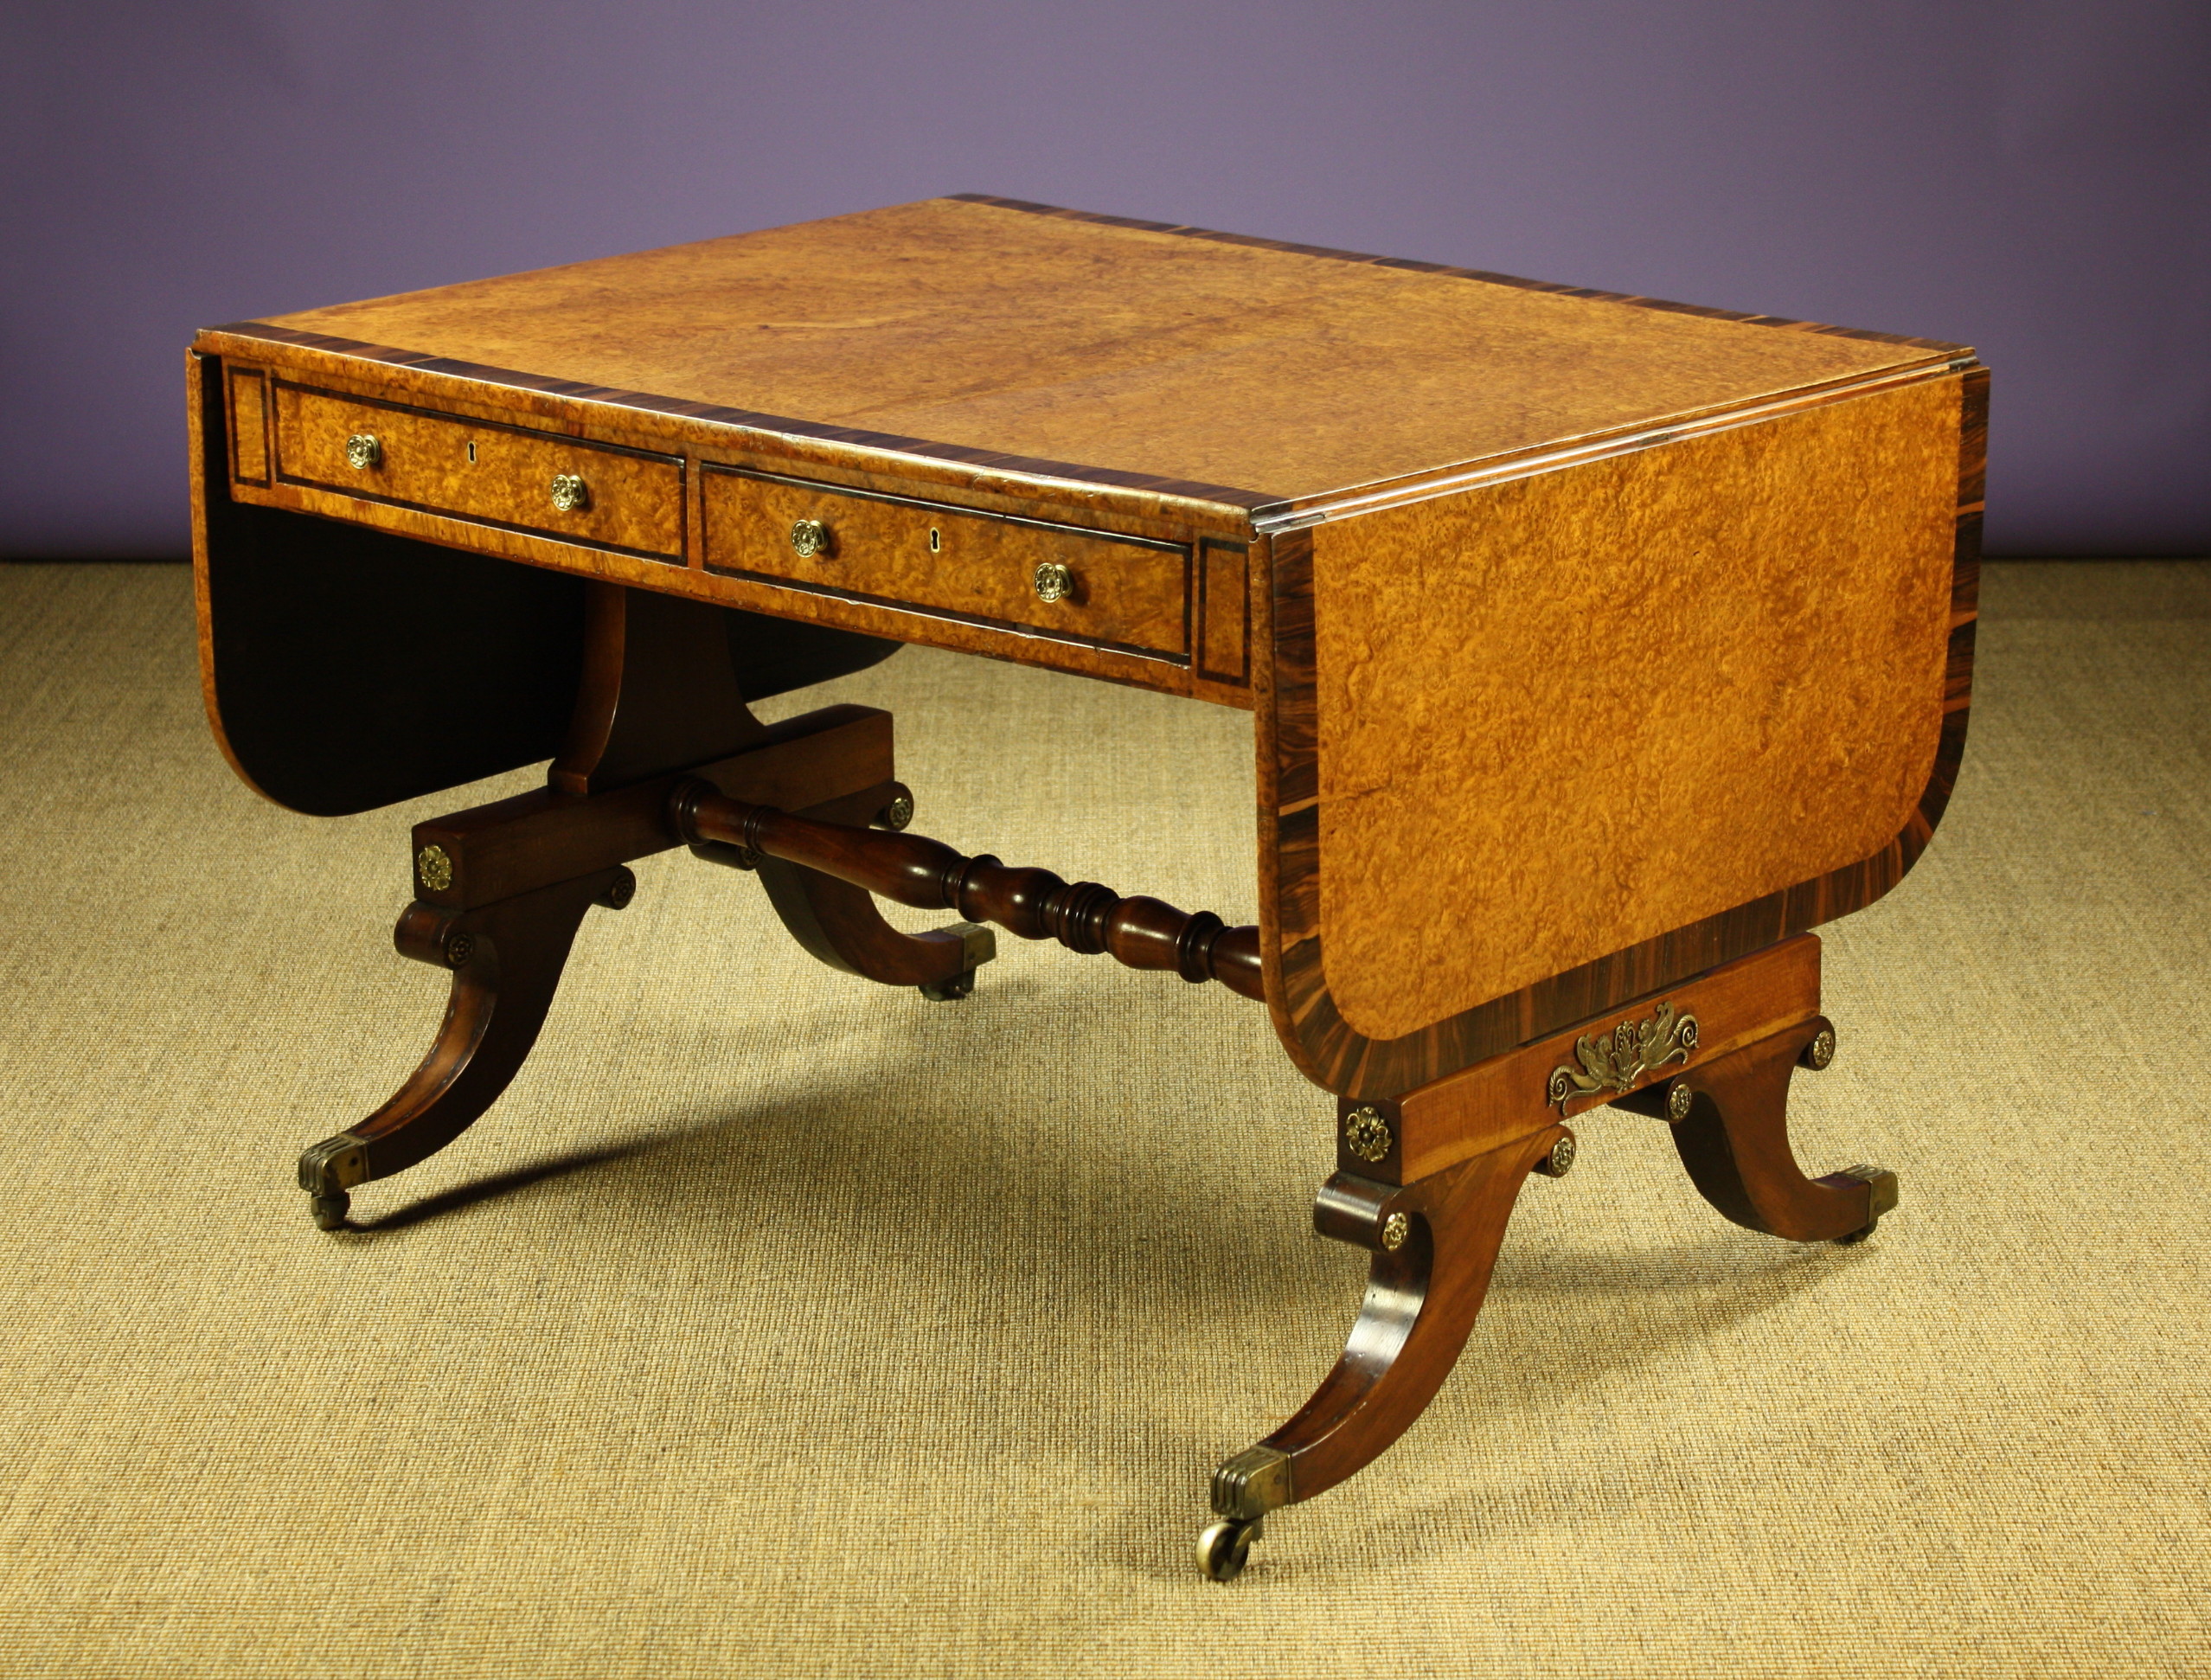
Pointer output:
x,y
775,1324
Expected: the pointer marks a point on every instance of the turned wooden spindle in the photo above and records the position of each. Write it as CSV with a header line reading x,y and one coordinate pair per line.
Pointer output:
x,y
1035,904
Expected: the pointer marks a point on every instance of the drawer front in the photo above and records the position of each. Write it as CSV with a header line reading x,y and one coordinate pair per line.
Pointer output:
x,y
1119,592
631,501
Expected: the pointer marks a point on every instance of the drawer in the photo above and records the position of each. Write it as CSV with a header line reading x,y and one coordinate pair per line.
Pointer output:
x,y
632,500
1121,591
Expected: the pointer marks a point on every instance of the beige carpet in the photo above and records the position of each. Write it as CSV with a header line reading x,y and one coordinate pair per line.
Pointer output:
x,y
775,1324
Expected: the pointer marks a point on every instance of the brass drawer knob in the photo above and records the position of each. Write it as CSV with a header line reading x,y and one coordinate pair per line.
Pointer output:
x,y
1054,582
363,452
569,495
809,538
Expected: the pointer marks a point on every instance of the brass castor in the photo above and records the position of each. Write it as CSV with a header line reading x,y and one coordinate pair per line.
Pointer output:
x,y
1861,1234
1226,1546
330,1210
949,990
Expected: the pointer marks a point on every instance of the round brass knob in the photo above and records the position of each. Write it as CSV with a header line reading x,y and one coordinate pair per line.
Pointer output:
x,y
1054,582
809,538
363,452
569,495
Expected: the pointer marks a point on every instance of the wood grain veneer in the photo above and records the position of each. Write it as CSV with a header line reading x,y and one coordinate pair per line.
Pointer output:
x,y
1129,592
482,471
1593,640
1307,1013
472,402
249,425
1060,339
1224,613
1165,383
1577,711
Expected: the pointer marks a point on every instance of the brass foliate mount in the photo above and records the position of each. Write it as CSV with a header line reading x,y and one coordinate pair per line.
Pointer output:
x,y
570,494
1366,1134
1615,1060
363,451
434,869
1394,1232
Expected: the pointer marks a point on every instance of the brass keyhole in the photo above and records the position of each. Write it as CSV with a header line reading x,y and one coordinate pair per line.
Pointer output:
x,y
471,452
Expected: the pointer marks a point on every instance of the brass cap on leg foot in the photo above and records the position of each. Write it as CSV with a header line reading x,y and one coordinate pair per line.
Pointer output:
x,y
1882,1186
327,1170
978,945
1254,1482
1245,1488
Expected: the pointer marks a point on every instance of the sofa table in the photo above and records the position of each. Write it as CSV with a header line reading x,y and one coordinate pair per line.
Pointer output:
x,y
1596,649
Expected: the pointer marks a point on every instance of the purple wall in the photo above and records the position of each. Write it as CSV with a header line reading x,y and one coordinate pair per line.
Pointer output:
x,y
2031,177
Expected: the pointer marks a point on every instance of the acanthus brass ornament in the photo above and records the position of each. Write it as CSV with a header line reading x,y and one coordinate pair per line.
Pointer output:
x,y
434,869
809,538
363,452
569,495
1366,1134
1054,582
1616,1059
1394,1232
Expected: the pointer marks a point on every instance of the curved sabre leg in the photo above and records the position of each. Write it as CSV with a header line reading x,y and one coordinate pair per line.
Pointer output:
x,y
506,960
1435,1243
838,923
1731,1129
